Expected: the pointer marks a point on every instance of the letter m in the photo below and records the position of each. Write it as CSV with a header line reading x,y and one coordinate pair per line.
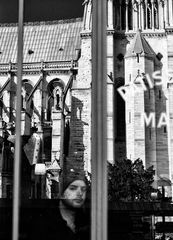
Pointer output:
x,y
150,119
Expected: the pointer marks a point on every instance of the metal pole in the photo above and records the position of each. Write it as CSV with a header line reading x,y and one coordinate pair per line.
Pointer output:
x,y
163,216
99,123
17,162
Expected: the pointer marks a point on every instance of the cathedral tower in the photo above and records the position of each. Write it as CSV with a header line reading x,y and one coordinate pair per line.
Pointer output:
x,y
143,34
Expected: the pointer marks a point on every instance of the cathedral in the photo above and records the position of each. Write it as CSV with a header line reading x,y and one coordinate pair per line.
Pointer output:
x,y
56,95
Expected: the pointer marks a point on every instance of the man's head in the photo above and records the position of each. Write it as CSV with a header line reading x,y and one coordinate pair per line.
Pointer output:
x,y
75,194
74,190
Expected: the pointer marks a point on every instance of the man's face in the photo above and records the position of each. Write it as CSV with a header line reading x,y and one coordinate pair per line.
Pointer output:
x,y
75,194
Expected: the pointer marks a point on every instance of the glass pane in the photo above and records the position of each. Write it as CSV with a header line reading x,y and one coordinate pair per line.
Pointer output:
x,y
57,117
141,174
51,157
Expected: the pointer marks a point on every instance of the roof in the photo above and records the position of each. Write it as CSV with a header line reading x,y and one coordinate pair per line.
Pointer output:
x,y
139,45
43,41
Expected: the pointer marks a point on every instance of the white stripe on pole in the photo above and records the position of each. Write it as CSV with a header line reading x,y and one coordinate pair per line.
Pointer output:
x,y
99,122
17,161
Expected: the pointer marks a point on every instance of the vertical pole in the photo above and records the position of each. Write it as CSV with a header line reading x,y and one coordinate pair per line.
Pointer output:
x,y
99,123
153,226
62,150
17,162
163,216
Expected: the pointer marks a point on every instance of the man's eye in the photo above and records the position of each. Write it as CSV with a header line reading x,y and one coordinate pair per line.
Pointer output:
x,y
83,189
72,188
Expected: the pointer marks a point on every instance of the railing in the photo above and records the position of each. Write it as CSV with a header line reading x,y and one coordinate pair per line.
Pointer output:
x,y
37,66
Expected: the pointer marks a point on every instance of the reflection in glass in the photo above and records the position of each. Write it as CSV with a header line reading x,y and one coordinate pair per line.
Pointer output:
x,y
56,112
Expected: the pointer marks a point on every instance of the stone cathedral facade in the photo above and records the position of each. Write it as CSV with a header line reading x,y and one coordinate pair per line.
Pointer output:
x,y
56,94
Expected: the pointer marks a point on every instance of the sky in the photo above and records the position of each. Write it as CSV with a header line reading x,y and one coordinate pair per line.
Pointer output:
x,y
40,10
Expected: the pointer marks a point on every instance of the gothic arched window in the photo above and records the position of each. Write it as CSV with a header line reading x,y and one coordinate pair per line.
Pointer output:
x,y
156,15
123,15
116,15
149,18
130,15
145,14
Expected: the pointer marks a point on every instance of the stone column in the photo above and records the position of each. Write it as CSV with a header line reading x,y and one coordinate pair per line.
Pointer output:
x,y
135,15
56,134
170,13
23,122
110,14
6,100
110,97
87,16
127,24
38,105
166,13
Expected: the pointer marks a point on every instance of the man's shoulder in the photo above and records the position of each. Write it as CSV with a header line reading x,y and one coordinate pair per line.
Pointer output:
x,y
47,224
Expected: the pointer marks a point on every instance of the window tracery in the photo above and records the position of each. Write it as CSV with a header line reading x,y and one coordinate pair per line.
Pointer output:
x,y
138,14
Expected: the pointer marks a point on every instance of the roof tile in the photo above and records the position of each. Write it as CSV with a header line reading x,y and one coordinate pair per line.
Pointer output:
x,y
47,41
